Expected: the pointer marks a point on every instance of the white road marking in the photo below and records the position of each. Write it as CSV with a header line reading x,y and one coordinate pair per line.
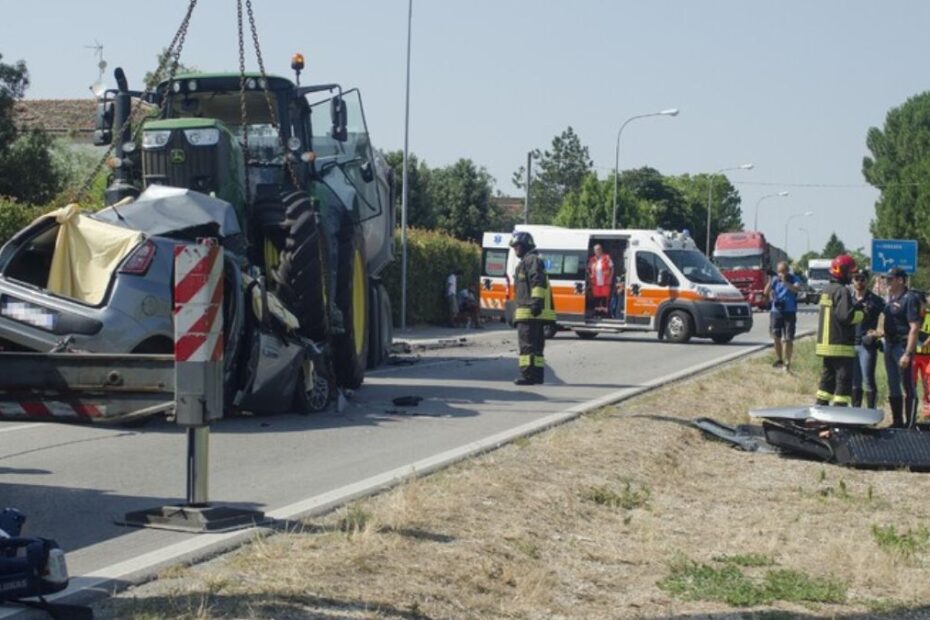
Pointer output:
x,y
21,427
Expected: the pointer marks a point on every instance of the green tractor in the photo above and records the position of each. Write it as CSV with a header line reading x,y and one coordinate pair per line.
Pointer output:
x,y
312,196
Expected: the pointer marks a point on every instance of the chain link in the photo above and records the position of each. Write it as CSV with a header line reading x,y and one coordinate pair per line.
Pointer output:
x,y
271,110
173,51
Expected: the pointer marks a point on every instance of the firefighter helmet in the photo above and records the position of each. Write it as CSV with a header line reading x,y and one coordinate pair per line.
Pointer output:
x,y
523,238
843,266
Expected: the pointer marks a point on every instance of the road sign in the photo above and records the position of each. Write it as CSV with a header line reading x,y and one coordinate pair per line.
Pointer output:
x,y
888,253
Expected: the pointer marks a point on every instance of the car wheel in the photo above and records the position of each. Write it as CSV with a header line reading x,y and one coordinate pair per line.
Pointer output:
x,y
678,327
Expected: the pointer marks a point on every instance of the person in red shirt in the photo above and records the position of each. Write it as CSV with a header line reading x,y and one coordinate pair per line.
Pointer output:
x,y
601,277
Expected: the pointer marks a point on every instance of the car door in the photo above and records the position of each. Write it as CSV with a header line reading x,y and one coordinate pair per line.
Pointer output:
x,y
644,294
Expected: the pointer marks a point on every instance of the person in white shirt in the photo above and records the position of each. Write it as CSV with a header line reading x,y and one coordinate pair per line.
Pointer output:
x,y
452,289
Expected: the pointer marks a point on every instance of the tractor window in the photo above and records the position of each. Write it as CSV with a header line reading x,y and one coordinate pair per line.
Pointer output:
x,y
265,147
352,159
264,144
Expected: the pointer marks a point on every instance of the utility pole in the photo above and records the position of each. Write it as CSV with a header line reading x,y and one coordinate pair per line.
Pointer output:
x,y
529,175
404,191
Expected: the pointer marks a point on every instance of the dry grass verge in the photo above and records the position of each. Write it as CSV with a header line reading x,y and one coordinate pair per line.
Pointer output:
x,y
625,513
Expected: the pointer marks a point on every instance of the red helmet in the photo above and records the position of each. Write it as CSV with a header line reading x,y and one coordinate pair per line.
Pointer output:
x,y
843,266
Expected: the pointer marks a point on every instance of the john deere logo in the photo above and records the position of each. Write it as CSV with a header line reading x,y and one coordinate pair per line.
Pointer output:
x,y
177,156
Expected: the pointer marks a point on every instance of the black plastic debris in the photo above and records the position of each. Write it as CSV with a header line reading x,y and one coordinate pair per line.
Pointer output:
x,y
741,437
407,401
882,448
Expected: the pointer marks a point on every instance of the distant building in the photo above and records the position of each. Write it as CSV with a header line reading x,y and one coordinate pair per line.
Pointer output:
x,y
511,206
71,119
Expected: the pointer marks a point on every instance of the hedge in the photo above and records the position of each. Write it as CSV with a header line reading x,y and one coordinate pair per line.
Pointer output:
x,y
14,216
431,256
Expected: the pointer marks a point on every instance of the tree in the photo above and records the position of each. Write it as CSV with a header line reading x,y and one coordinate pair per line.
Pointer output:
x,y
900,168
420,212
726,215
461,194
14,80
800,266
590,207
558,172
163,70
27,170
834,247
657,202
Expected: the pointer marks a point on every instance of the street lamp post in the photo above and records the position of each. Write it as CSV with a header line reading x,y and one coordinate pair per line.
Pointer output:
x,y
405,189
710,198
669,112
755,221
808,234
787,221
529,178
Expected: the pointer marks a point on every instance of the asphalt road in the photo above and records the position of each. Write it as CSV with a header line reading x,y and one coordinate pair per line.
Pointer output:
x,y
75,482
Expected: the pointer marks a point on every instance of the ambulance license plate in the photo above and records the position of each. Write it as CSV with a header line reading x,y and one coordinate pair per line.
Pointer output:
x,y
741,323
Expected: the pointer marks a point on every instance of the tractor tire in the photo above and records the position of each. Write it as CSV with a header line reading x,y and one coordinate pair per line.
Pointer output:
x,y
301,273
374,326
350,348
381,324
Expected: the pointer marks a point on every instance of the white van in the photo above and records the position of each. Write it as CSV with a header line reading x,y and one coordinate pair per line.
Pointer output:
x,y
818,274
663,284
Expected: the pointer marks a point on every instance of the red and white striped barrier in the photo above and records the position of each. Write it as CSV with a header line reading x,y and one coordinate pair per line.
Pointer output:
x,y
198,303
75,410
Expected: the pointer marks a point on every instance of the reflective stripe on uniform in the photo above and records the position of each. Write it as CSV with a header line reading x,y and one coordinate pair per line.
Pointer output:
x,y
825,323
858,315
539,361
824,395
842,400
524,314
525,361
540,292
835,350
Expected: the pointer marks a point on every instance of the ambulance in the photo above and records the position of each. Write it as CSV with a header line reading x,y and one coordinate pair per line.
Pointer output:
x,y
663,284
495,283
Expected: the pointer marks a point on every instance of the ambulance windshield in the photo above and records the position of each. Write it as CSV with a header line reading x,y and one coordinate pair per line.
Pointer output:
x,y
696,267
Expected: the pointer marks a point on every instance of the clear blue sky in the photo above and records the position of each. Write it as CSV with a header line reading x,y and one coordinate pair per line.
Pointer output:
x,y
791,86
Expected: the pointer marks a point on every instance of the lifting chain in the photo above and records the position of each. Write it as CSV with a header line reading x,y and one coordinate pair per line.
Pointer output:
x,y
173,53
288,164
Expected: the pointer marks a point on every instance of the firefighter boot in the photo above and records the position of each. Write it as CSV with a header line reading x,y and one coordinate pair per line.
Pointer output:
x,y
897,408
870,399
822,402
857,397
538,374
910,412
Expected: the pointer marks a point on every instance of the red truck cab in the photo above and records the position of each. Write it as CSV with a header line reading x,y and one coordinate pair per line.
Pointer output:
x,y
746,259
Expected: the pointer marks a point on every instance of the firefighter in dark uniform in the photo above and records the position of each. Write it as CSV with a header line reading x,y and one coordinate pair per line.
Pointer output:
x,y
836,334
534,308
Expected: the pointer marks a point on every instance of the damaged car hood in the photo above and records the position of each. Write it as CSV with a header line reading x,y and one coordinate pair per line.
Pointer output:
x,y
162,210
